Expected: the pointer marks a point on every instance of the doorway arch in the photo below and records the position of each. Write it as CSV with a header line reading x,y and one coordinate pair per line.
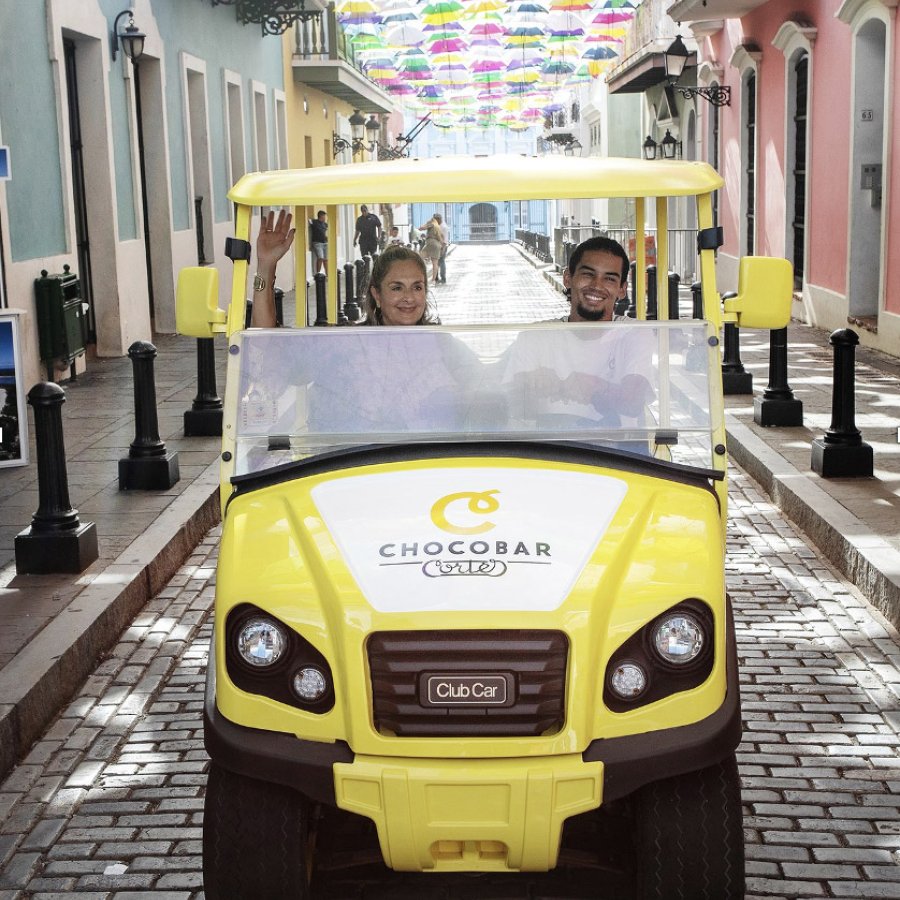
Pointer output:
x,y
867,165
482,222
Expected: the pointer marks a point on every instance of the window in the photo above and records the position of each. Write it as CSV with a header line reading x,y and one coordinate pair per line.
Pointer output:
x,y
749,103
234,126
281,150
260,127
798,173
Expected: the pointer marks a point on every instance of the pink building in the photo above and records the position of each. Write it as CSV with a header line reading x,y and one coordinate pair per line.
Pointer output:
x,y
805,145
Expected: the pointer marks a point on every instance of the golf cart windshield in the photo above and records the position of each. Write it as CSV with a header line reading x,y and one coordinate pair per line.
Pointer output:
x,y
641,387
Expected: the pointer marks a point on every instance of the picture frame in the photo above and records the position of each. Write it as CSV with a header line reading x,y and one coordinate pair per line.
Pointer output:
x,y
13,408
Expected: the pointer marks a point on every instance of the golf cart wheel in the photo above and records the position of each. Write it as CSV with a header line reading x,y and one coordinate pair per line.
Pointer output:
x,y
254,839
689,836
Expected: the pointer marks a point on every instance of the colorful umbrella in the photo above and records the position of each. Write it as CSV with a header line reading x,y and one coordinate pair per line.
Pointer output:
x,y
436,54
599,52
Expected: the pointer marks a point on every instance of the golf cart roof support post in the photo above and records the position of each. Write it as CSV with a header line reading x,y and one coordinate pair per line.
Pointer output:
x,y
331,268
302,250
712,307
640,259
662,256
237,308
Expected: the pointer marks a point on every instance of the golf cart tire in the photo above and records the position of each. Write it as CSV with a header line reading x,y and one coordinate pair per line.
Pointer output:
x,y
689,836
254,839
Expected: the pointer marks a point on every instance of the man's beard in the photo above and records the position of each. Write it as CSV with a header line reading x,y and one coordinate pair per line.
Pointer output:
x,y
590,315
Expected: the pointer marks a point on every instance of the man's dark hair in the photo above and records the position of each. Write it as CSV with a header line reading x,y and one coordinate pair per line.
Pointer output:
x,y
604,245
320,213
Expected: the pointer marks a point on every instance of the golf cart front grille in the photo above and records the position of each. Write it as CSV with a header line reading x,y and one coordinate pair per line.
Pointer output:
x,y
415,672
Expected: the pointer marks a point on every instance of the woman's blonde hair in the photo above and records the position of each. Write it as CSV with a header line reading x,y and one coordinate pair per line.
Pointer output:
x,y
393,254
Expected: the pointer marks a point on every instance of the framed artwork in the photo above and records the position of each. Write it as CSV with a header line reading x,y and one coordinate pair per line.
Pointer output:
x,y
13,411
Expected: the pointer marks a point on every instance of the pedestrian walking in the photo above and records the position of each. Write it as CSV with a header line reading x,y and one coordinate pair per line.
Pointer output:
x,y
442,261
433,246
368,232
318,240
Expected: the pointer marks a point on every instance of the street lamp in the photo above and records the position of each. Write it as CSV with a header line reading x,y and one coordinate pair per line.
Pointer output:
x,y
671,149
357,129
132,38
649,147
373,131
676,59
573,147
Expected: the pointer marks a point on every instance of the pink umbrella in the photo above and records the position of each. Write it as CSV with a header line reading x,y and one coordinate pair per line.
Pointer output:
x,y
454,46
612,16
488,29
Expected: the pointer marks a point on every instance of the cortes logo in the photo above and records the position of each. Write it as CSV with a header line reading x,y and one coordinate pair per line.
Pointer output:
x,y
477,503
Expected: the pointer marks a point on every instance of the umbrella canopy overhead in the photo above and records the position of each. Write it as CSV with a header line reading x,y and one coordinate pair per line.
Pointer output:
x,y
520,56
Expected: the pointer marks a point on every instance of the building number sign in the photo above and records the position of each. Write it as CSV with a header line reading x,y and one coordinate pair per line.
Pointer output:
x,y
868,115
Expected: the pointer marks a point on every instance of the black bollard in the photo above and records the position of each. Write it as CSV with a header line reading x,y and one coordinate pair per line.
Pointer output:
x,y
674,285
341,315
147,466
278,293
842,453
279,309
651,292
735,379
778,406
56,540
696,353
697,300
361,283
321,300
204,418
351,306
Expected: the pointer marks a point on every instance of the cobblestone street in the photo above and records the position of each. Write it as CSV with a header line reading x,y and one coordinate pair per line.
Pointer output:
x,y
109,803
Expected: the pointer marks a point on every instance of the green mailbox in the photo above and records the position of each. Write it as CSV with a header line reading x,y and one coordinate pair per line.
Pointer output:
x,y
60,318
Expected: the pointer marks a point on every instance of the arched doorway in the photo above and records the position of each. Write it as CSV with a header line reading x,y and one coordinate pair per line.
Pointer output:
x,y
869,60
482,222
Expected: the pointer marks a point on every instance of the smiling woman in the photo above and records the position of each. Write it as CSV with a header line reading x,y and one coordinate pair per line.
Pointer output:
x,y
397,291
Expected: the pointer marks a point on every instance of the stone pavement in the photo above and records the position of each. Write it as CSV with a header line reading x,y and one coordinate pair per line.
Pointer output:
x,y
108,803
54,629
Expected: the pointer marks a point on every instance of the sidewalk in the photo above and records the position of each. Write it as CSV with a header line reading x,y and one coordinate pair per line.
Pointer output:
x,y
54,629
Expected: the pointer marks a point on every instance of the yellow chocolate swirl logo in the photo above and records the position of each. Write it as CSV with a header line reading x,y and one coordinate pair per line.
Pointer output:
x,y
479,504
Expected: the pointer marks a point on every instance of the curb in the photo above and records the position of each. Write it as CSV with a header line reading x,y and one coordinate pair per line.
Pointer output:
x,y
45,673
865,559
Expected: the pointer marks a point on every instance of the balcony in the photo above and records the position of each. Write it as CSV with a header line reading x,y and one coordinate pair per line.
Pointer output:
x,y
323,58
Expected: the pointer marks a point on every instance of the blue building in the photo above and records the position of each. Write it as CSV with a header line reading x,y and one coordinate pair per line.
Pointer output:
x,y
121,170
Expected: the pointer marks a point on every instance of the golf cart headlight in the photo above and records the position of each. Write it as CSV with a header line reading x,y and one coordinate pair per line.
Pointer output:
x,y
310,684
628,680
261,642
678,638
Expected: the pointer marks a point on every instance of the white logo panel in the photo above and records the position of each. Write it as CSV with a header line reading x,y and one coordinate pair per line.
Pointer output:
x,y
468,538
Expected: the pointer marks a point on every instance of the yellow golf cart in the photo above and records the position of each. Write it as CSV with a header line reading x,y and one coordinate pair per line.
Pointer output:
x,y
460,599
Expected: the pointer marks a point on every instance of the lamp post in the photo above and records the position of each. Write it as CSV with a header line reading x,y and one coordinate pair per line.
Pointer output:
x,y
356,144
671,149
676,59
132,38
373,132
366,135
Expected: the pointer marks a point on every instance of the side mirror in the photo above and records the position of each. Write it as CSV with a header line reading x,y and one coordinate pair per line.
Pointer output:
x,y
197,312
765,291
